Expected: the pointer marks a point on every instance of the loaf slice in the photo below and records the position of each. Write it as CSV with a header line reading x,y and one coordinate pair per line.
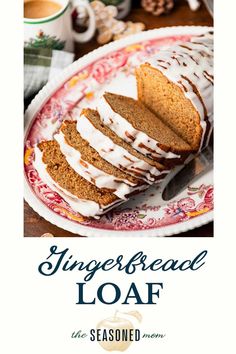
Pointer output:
x,y
177,85
139,127
90,165
116,151
81,195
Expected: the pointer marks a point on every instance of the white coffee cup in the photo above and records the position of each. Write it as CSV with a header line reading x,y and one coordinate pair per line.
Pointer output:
x,y
56,31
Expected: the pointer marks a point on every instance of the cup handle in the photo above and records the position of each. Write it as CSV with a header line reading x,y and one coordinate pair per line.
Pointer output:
x,y
88,34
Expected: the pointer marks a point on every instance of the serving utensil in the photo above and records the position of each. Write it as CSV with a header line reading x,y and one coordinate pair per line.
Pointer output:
x,y
196,167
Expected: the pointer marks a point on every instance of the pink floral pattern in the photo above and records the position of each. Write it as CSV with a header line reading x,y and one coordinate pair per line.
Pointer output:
x,y
144,217
198,199
105,68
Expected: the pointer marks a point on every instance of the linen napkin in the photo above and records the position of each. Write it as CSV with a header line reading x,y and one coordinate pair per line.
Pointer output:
x,y
42,64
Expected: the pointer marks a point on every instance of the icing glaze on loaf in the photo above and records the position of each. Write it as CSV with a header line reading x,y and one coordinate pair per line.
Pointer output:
x,y
87,208
140,141
116,154
190,66
120,187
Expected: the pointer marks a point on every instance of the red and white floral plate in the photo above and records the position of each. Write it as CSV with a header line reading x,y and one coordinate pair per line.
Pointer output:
x,y
110,67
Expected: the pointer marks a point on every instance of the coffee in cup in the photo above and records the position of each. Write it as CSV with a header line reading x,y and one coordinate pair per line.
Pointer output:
x,y
47,22
40,8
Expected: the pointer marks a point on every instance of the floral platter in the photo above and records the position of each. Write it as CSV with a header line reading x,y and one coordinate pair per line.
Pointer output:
x,y
110,67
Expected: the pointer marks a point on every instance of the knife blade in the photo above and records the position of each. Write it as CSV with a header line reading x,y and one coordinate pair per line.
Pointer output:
x,y
196,167
210,6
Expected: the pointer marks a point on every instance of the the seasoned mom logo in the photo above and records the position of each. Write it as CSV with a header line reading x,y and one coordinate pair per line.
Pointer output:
x,y
118,332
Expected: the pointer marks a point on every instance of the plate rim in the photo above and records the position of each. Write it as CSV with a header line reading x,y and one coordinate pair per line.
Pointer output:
x,y
47,91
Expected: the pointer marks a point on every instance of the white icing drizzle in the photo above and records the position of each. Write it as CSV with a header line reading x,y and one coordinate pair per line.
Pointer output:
x,y
116,154
190,66
139,140
87,208
121,187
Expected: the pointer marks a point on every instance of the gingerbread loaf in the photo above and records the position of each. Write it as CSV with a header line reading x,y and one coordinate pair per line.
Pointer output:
x,y
144,131
81,195
116,151
177,85
90,165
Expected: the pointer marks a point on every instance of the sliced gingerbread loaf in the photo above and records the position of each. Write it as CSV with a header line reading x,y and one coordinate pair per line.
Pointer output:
x,y
115,150
81,195
90,165
143,130
177,85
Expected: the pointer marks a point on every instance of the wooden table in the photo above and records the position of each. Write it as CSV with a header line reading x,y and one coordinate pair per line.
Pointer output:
x,y
35,225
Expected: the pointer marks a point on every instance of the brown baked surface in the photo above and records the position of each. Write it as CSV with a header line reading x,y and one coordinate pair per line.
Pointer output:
x,y
167,100
94,118
74,139
67,178
142,119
